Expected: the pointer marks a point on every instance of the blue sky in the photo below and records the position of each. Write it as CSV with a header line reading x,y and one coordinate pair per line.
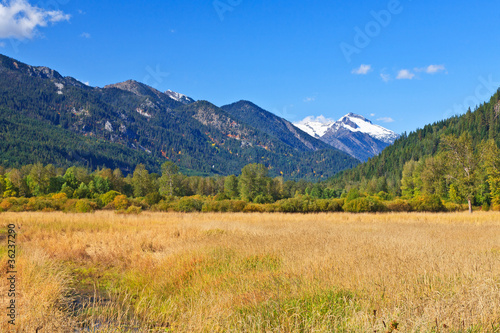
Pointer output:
x,y
402,64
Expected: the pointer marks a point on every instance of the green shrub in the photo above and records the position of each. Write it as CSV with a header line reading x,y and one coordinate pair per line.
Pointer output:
x,y
319,205
352,194
84,206
262,199
398,205
453,207
291,205
121,202
153,198
254,208
221,196
133,210
162,206
233,206
364,205
139,202
427,203
38,204
79,206
108,197
187,205
271,208
336,205
325,205
384,196
68,191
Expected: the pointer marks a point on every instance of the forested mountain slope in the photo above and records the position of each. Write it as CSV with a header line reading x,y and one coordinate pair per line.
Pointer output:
x,y
147,126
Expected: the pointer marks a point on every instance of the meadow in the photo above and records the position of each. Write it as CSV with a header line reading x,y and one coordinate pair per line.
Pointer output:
x,y
254,272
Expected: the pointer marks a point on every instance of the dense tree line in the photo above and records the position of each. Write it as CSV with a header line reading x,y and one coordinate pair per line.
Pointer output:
x,y
253,185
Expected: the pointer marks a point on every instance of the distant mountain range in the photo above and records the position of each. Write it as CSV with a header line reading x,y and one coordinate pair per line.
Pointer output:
x,y
48,118
353,134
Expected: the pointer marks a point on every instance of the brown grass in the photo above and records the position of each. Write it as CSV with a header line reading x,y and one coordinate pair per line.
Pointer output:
x,y
257,272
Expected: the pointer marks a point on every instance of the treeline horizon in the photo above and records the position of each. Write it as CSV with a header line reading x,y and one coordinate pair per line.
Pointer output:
x,y
461,175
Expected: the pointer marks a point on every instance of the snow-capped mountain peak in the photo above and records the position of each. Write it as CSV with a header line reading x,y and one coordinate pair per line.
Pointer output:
x,y
352,133
179,97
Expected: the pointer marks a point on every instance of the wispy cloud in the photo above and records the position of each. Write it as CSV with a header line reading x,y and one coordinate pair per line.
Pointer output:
x,y
385,77
372,114
386,119
362,70
432,69
2,44
19,19
405,74
310,99
85,35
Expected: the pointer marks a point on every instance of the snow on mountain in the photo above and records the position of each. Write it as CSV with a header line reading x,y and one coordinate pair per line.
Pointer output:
x,y
357,123
179,97
315,127
353,134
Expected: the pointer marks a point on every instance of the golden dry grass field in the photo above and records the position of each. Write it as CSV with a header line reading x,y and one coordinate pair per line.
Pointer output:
x,y
173,272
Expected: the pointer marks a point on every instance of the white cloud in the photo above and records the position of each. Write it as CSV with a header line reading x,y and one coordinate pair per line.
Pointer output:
x,y
319,119
85,35
87,83
386,119
385,77
20,20
405,74
432,69
362,70
309,99
372,114
81,12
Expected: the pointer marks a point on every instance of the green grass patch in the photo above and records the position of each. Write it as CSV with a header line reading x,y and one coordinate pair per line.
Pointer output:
x,y
329,310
